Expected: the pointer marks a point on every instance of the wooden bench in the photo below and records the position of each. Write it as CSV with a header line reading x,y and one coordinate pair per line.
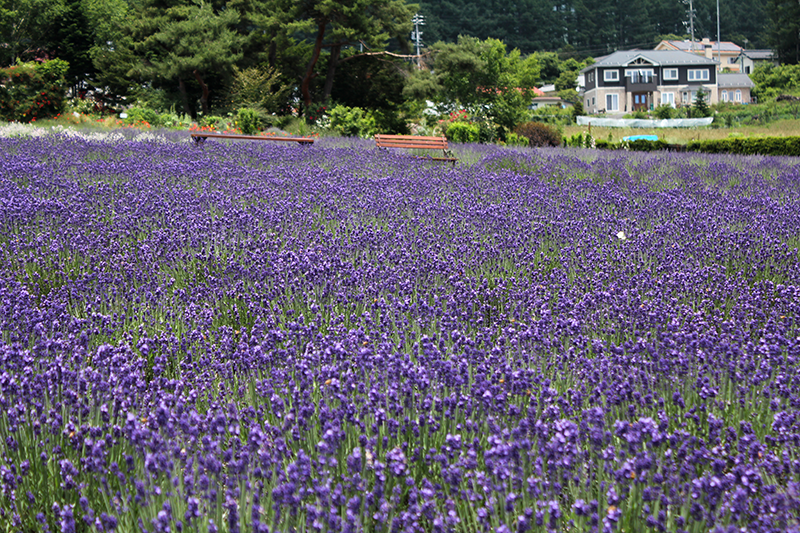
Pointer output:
x,y
200,137
417,142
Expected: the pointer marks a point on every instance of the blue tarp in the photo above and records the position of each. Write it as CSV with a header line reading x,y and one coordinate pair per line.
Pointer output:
x,y
641,138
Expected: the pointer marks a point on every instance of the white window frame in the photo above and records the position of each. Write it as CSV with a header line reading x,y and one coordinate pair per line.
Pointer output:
x,y
698,74
737,96
610,75
614,98
668,99
636,74
670,74
724,96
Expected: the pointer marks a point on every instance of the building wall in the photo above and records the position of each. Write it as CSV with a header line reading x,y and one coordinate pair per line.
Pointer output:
x,y
594,100
744,92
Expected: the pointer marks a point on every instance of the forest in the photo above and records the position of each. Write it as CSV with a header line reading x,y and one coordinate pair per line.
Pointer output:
x,y
593,27
285,57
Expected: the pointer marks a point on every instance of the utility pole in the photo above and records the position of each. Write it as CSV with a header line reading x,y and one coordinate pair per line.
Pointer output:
x,y
418,20
691,22
719,43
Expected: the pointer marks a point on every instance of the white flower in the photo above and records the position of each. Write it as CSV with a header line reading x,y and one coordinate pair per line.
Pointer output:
x,y
621,235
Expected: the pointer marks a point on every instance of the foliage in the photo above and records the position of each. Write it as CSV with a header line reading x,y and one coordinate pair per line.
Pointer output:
x,y
772,81
339,23
784,29
700,107
248,120
781,146
553,114
463,132
577,110
580,140
260,88
590,27
539,134
639,145
480,75
664,112
514,139
352,121
32,91
182,42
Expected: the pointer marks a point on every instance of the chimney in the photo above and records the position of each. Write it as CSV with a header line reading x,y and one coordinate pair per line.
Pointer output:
x,y
707,47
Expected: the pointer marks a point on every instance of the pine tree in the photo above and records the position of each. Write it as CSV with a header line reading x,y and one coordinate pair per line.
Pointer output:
x,y
700,107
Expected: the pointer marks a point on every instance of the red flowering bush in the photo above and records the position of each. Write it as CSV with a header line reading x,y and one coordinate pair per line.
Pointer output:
x,y
31,91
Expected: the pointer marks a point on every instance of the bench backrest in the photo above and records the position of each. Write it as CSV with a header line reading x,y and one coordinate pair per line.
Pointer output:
x,y
410,141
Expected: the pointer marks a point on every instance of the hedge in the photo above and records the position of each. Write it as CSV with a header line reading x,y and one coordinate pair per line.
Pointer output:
x,y
787,146
749,146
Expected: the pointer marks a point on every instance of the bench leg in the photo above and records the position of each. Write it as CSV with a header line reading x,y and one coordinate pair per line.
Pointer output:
x,y
199,140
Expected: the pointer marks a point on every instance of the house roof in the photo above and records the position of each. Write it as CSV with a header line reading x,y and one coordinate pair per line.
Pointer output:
x,y
759,54
623,58
699,46
734,80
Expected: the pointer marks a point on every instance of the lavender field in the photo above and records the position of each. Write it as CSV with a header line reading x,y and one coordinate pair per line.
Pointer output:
x,y
250,337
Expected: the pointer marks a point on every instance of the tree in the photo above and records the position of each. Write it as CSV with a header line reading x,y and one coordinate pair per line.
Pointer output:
x,y
480,75
784,31
700,107
339,23
180,41
27,28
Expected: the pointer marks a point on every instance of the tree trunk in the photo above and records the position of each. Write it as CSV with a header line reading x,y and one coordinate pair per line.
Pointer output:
x,y
185,98
305,85
334,60
204,97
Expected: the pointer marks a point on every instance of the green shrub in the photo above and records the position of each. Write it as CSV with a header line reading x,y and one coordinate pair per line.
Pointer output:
x,y
552,114
463,132
31,91
580,140
352,121
602,144
539,134
142,114
643,145
638,115
513,139
787,146
664,112
249,121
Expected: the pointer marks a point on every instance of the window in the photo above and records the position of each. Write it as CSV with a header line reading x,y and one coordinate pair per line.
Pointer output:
x,y
724,96
738,96
668,99
640,75
611,75
612,102
592,100
699,74
670,74
747,70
